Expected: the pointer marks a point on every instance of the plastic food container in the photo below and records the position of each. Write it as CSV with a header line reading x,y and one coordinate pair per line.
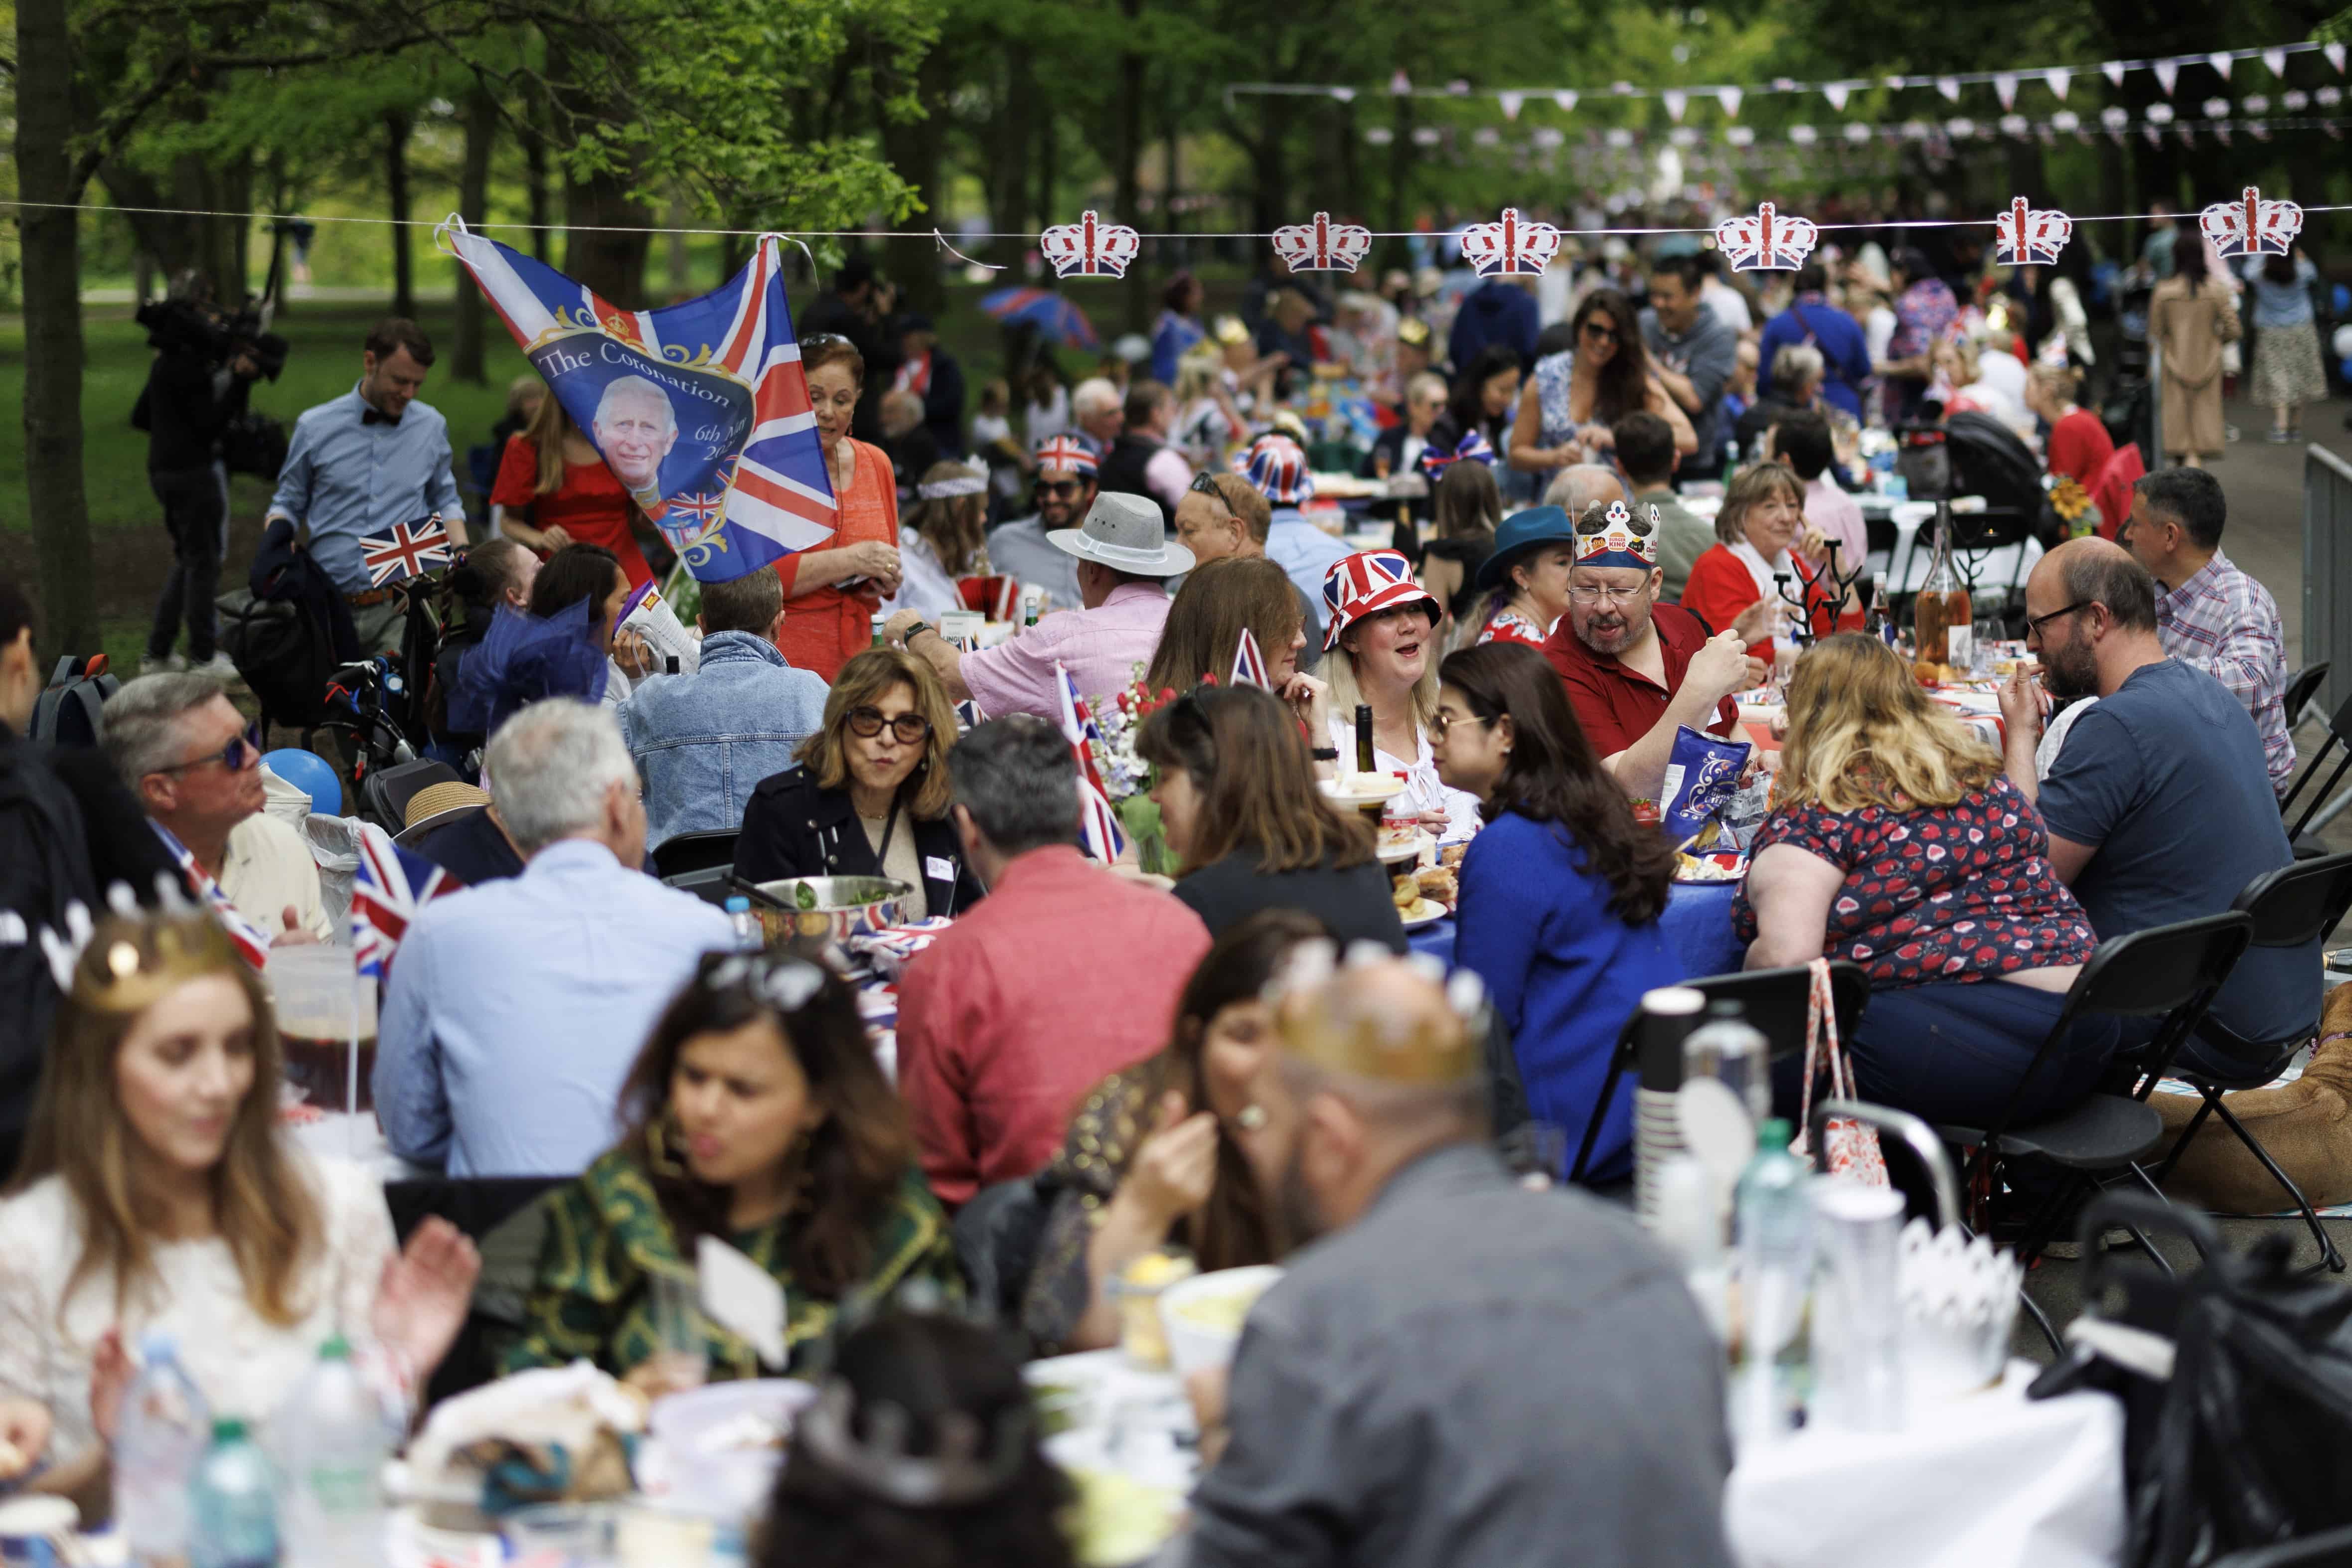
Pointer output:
x,y
1204,1315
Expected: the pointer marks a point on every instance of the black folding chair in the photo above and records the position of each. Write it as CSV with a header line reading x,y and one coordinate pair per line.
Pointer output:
x,y
2168,972
2301,688
2328,1549
684,852
1778,1002
476,1205
2339,736
1977,536
2289,906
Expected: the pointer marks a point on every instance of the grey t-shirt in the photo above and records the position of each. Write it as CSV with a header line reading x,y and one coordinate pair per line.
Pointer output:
x,y
1708,353
2165,780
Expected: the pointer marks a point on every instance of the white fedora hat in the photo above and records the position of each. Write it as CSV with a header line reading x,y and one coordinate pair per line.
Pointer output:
x,y
1125,530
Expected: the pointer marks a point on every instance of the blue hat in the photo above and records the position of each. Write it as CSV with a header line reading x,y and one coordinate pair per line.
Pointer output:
x,y
1522,532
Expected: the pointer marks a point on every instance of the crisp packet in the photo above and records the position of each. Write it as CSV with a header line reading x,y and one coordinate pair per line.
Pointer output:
x,y
648,613
1702,774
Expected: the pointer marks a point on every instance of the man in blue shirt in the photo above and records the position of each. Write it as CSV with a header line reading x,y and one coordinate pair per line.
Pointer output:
x,y
515,1010
2160,805
1276,469
704,741
371,458
1812,319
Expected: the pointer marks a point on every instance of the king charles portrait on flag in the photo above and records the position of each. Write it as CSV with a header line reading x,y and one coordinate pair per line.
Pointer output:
x,y
700,409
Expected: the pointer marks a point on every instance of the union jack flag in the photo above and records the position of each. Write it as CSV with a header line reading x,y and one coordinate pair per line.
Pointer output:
x,y
1435,460
1509,244
2025,236
1249,664
251,942
1322,245
2251,225
1096,821
1090,247
390,886
406,551
1766,242
724,372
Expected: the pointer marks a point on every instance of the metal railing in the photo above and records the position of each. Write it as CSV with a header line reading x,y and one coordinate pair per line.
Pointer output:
x,y
2327,567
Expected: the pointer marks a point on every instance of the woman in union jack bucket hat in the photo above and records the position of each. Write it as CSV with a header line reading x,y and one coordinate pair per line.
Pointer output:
x,y
1384,633
1277,466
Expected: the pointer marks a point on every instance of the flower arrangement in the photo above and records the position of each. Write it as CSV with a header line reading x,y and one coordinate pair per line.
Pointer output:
x,y
2073,504
1126,777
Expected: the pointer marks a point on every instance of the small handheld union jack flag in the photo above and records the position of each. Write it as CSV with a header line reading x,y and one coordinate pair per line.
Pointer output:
x,y
252,944
2251,225
1249,664
408,551
1322,245
390,886
1097,822
1474,447
2029,235
1511,245
1766,242
1090,247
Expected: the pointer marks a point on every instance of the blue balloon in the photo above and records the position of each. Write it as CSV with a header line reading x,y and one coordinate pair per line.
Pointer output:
x,y
310,772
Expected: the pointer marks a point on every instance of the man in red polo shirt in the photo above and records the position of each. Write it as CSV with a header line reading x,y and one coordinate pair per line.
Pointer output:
x,y
1637,670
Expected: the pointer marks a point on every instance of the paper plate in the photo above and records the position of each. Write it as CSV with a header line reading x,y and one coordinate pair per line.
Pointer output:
x,y
1423,911
1398,854
1363,789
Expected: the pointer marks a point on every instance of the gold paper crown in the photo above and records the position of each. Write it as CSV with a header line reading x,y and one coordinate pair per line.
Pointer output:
x,y
1229,329
132,961
1328,1016
1412,330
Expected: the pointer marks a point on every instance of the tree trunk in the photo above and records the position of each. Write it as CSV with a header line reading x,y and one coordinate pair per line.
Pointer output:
x,y
397,128
1010,203
914,149
605,244
1171,174
1399,179
1270,181
534,161
469,353
1127,167
677,261
1049,160
51,246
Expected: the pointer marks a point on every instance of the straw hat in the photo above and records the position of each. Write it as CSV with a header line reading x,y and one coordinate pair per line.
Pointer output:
x,y
1125,531
435,799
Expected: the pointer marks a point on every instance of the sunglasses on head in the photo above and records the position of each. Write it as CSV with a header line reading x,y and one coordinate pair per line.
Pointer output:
x,y
910,728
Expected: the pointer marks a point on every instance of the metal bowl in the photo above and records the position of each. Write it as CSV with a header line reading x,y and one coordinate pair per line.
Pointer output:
x,y
831,908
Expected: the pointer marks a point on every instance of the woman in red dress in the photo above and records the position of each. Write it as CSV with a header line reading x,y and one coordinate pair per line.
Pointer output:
x,y
831,595
552,490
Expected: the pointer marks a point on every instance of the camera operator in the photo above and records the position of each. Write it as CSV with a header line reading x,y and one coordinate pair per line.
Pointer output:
x,y
196,387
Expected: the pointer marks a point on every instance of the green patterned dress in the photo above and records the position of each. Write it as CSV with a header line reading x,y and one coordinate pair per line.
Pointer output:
x,y
607,1238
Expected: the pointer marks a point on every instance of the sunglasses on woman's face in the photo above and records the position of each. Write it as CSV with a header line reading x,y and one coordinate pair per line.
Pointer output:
x,y
1599,331
912,729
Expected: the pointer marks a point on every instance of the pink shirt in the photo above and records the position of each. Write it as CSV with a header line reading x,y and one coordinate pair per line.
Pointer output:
x,y
1101,647
1065,973
1835,513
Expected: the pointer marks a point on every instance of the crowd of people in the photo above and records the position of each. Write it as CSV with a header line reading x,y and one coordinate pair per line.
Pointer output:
x,y
1245,1060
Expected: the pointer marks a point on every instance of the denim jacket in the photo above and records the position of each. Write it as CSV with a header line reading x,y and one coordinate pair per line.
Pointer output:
x,y
703,742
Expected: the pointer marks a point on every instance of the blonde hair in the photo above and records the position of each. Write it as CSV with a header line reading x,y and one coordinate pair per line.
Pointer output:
x,y
265,1212
1339,673
955,527
1749,489
864,682
550,427
2057,382
1198,374
1862,734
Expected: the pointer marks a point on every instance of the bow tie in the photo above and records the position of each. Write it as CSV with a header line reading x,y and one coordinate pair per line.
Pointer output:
x,y
377,417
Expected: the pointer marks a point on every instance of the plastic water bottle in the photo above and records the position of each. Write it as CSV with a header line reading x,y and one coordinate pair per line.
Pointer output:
x,y
331,1443
233,1504
1727,1047
749,938
1774,1221
158,1442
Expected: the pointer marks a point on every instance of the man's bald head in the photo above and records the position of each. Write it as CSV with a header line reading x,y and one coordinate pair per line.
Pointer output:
x,y
2094,572
1578,485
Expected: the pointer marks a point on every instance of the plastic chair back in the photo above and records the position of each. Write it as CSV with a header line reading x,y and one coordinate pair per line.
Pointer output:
x,y
2298,903
1778,1000
2150,972
684,852
2300,688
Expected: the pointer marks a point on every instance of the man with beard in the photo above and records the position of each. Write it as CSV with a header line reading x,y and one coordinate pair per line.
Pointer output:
x,y
1637,670
1064,488
2159,805
1455,1370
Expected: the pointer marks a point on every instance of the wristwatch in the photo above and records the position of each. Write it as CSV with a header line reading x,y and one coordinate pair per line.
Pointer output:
x,y
908,641
1325,754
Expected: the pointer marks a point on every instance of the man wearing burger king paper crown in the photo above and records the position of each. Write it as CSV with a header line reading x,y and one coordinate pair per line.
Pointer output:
x,y
1637,670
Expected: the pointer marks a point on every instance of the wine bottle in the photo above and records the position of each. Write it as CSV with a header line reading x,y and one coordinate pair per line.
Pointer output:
x,y
1941,616
1364,763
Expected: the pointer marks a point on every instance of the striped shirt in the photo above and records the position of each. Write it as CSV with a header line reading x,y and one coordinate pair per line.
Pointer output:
x,y
2224,623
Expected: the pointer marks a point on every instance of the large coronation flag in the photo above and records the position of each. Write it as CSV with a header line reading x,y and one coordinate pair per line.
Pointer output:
x,y
700,409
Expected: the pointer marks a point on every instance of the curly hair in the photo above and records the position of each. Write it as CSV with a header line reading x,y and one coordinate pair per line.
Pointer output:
x,y
1863,733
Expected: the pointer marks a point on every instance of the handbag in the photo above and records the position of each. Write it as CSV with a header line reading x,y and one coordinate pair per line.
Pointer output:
x,y
1849,1148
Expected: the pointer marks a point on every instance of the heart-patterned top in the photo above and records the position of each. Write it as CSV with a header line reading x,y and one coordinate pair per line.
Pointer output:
x,y
1936,894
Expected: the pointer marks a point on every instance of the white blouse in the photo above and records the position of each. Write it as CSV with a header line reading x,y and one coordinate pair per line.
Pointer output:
x,y
1423,790
244,1365
923,581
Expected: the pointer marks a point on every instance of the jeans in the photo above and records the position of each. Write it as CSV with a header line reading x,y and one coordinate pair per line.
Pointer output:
x,y
1955,1053
196,514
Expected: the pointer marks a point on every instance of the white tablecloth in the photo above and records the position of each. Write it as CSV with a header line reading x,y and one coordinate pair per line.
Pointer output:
x,y
1993,1480
1904,568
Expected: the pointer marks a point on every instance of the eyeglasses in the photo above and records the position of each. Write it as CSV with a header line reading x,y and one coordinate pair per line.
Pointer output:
x,y
1593,594
1060,489
1440,721
910,728
1601,331
237,756
2033,624
1205,483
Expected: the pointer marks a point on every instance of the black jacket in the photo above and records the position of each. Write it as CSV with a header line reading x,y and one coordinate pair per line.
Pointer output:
x,y
188,404
792,828
1354,903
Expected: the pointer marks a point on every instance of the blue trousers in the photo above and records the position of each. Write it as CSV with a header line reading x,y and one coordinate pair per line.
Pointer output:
x,y
1955,1053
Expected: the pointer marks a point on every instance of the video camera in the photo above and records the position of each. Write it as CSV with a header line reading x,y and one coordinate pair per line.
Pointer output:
x,y
181,326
